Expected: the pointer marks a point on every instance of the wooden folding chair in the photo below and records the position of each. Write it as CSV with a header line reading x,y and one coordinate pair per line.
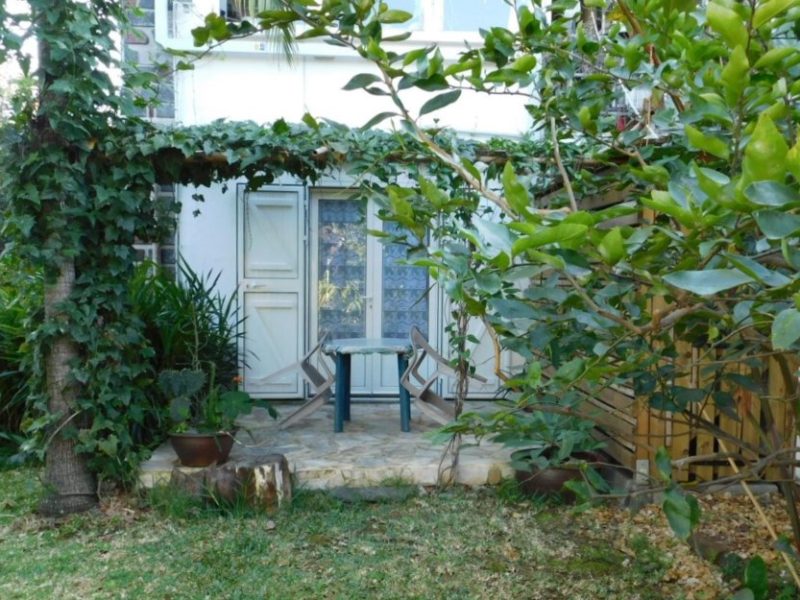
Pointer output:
x,y
320,382
420,387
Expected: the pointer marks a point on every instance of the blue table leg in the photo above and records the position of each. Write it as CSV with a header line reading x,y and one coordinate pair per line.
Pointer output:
x,y
341,391
347,374
405,397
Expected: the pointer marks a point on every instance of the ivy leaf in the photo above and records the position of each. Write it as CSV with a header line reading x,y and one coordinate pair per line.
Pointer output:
x,y
108,446
439,101
708,282
786,329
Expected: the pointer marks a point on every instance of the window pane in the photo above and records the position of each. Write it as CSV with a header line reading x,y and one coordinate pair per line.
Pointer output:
x,y
472,15
412,6
342,268
405,291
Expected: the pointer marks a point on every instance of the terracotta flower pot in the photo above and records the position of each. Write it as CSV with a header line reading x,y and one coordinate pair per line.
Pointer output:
x,y
201,449
550,481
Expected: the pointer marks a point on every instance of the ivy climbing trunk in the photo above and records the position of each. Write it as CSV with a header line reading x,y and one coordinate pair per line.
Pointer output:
x,y
70,485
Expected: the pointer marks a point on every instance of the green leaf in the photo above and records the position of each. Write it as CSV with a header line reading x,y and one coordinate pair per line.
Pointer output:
x,y
570,371
361,80
496,235
756,578
773,56
664,463
514,191
489,282
439,101
777,225
109,445
524,63
765,154
736,76
708,282
683,512
377,119
432,193
786,329
549,235
612,246
310,122
771,193
728,24
394,16
770,9
665,203
707,143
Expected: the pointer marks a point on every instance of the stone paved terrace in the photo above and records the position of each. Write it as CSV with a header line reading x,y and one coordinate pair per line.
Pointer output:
x,y
370,451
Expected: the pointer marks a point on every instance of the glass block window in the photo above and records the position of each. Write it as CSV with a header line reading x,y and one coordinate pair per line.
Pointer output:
x,y
405,291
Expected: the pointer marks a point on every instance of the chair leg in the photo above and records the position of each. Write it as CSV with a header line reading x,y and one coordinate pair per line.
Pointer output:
x,y
405,398
309,407
341,392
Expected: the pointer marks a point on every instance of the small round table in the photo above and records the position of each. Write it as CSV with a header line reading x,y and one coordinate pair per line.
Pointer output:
x,y
343,350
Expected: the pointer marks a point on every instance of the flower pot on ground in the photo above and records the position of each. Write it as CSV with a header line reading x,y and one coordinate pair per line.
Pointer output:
x,y
539,472
200,449
203,414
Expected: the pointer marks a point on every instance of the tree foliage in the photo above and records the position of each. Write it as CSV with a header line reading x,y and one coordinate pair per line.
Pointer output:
x,y
682,119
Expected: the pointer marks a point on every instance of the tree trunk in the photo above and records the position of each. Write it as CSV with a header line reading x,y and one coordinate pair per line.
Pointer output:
x,y
70,486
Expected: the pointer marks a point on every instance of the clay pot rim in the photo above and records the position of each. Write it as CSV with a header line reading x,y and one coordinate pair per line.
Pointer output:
x,y
196,434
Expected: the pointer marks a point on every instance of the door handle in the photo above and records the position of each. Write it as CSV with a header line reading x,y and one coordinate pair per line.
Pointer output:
x,y
254,286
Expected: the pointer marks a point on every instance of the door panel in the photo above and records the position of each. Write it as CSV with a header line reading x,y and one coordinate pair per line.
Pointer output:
x,y
271,246
272,326
272,287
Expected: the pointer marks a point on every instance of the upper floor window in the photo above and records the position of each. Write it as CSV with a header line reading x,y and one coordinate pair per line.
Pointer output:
x,y
472,15
435,17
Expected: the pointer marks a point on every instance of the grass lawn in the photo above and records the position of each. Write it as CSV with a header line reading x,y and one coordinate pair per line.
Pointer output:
x,y
459,544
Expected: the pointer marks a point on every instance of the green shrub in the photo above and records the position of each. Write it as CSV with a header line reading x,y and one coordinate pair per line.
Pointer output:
x,y
189,322
20,304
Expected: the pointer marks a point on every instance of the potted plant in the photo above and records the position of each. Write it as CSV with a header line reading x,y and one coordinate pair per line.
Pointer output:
x,y
558,457
203,415
555,446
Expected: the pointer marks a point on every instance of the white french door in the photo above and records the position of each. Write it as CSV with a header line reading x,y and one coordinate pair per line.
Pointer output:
x,y
360,289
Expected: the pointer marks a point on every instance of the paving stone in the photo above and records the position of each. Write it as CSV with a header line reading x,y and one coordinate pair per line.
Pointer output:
x,y
373,494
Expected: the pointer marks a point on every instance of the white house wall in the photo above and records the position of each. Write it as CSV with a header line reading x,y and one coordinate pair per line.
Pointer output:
x,y
208,241
262,88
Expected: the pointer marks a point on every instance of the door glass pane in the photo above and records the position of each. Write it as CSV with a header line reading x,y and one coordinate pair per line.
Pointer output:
x,y
405,298
472,15
342,268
